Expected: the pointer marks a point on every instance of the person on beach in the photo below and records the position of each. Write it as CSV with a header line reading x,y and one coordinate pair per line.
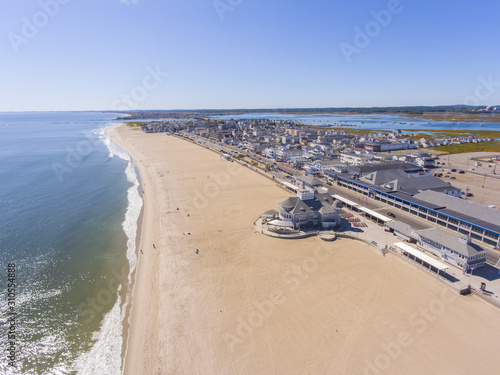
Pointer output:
x,y
141,252
154,246
197,252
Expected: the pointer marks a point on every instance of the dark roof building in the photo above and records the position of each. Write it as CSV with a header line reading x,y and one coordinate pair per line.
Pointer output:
x,y
427,198
308,181
311,208
398,180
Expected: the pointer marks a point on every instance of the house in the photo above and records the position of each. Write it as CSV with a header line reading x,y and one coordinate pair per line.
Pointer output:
x,y
458,251
425,162
270,152
311,208
287,154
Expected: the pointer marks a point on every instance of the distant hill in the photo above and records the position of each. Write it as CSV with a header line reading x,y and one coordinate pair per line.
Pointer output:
x,y
410,110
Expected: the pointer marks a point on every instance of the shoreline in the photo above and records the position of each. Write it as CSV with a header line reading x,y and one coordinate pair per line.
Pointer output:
x,y
188,310
129,290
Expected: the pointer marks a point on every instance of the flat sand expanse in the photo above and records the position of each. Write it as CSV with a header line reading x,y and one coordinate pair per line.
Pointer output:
x,y
251,304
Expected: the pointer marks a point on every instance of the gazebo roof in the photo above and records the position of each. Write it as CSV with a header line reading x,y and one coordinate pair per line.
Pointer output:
x,y
281,223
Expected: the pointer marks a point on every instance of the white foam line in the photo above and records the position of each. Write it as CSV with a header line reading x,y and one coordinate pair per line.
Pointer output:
x,y
105,355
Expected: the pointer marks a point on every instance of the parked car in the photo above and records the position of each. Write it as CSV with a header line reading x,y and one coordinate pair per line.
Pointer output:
x,y
461,172
453,170
453,178
390,214
469,195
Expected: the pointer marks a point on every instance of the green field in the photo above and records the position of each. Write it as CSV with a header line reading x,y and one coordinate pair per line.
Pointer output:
x,y
418,133
455,117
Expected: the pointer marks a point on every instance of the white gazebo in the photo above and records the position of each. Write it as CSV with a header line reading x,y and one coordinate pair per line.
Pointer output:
x,y
280,225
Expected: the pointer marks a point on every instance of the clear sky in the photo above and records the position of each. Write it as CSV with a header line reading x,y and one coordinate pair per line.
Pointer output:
x,y
187,54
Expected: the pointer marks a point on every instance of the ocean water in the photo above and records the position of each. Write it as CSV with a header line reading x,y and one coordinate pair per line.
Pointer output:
x,y
69,206
370,121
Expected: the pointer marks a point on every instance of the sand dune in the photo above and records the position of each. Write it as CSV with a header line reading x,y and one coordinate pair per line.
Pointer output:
x,y
251,304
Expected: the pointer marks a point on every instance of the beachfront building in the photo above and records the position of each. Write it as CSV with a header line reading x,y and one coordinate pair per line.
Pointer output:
x,y
436,203
402,230
311,208
458,251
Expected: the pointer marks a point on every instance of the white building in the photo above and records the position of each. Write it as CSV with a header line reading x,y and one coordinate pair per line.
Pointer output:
x,y
287,154
458,251
354,159
311,208
270,153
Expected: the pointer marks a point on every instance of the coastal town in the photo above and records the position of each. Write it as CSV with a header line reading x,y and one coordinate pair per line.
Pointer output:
x,y
267,188
300,143
342,179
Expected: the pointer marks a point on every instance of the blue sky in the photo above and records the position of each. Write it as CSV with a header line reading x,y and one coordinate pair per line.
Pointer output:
x,y
100,54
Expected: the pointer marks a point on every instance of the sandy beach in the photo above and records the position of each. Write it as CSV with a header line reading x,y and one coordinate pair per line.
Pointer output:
x,y
250,304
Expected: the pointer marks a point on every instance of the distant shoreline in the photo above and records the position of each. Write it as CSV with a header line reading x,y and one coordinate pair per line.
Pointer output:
x,y
438,113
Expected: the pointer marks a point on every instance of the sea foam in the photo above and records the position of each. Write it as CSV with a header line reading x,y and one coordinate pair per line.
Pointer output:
x,y
105,355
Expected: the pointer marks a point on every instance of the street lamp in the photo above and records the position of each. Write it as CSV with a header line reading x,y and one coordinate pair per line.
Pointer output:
x,y
470,277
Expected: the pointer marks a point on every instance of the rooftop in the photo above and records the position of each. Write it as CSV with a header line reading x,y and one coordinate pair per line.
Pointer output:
x,y
451,241
473,213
